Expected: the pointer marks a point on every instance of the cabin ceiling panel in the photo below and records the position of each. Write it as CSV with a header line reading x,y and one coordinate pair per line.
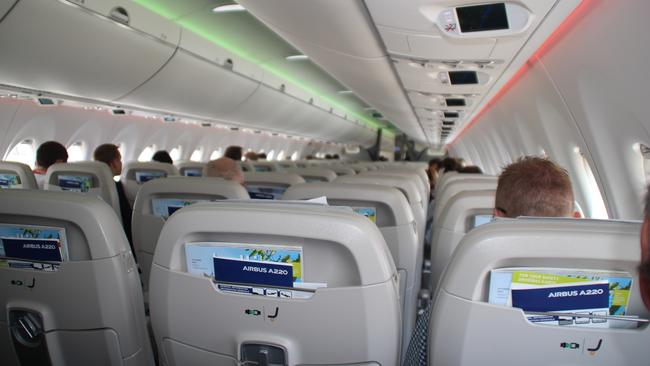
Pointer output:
x,y
79,54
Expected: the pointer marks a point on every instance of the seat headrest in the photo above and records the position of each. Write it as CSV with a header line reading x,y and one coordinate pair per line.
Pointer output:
x,y
272,177
385,195
26,179
92,216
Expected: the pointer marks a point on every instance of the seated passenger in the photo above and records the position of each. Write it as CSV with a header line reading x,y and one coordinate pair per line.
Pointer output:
x,y
261,156
233,152
225,168
251,156
49,153
644,268
533,186
432,173
110,154
162,156
449,164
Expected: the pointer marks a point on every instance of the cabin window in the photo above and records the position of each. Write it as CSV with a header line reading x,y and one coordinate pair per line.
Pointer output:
x,y
197,155
280,155
216,154
645,155
147,153
270,155
24,152
295,155
176,153
595,203
77,152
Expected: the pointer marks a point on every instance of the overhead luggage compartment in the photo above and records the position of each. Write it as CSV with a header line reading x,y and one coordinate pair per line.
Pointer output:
x,y
273,109
62,48
194,86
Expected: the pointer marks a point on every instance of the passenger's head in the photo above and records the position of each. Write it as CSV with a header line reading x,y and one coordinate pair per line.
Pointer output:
x,y
328,157
233,152
644,268
470,169
261,156
225,168
449,165
162,156
533,186
251,156
49,153
109,154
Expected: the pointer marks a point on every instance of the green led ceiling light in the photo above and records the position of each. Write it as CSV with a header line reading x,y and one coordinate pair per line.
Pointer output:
x,y
242,35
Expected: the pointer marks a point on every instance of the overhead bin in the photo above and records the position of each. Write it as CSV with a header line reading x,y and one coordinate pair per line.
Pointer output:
x,y
62,48
193,86
135,16
271,108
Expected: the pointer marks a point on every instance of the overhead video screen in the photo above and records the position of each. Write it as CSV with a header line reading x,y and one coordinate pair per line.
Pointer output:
x,y
455,102
463,77
481,18
144,176
75,183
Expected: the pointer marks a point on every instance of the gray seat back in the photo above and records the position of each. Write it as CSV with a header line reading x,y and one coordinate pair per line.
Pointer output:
x,y
190,168
16,175
466,330
354,320
159,198
89,177
457,220
85,297
136,173
269,185
311,175
395,220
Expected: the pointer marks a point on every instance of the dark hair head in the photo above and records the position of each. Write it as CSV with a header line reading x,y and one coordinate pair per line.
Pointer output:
x,y
449,165
471,169
106,153
162,156
434,162
51,152
234,152
533,186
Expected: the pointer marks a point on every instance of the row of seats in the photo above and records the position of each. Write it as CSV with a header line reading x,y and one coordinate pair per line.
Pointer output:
x,y
89,310
394,213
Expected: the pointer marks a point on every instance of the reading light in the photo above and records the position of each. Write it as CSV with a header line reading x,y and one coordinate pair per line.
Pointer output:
x,y
297,58
228,8
345,92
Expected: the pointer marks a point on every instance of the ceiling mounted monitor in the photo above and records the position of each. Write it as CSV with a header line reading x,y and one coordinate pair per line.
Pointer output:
x,y
455,102
450,114
447,123
463,77
481,18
